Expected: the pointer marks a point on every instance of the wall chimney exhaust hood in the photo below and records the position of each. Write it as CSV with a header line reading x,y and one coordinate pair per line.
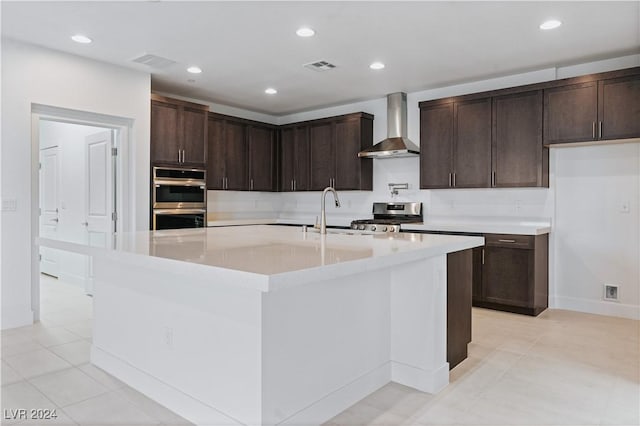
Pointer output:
x,y
396,144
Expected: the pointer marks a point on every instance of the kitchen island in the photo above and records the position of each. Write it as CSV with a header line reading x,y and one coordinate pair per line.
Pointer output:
x,y
266,325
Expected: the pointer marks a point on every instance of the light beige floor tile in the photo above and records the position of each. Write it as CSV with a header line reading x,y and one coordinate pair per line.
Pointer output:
x,y
57,418
152,408
76,353
83,329
22,395
104,378
9,375
17,345
52,336
623,404
363,414
109,409
68,386
397,399
66,317
36,363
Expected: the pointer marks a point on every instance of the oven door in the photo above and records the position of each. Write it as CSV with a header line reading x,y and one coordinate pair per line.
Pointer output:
x,y
174,195
178,218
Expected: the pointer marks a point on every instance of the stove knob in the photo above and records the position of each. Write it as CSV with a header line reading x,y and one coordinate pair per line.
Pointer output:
x,y
373,227
392,229
354,226
361,227
384,229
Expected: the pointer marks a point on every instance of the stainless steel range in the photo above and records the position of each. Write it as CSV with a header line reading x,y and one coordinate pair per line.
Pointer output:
x,y
388,217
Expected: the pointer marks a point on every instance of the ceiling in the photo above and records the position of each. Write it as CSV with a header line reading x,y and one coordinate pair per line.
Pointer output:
x,y
245,47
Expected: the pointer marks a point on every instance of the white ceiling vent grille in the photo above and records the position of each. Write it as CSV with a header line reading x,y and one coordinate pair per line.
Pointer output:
x,y
154,61
320,66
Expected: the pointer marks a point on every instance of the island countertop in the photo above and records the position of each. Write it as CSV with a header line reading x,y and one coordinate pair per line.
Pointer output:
x,y
269,257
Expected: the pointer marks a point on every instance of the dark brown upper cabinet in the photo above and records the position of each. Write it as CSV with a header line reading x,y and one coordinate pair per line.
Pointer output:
x,y
294,158
262,158
598,109
619,108
334,144
178,132
519,157
455,144
241,154
472,144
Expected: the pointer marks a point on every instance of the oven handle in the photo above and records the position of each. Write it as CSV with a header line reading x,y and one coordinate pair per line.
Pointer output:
x,y
176,182
178,211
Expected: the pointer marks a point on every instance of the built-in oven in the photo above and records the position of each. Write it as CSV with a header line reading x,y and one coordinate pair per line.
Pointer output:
x,y
179,198
178,218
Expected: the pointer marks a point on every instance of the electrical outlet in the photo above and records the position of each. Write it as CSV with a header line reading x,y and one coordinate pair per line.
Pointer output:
x,y
168,337
518,205
611,292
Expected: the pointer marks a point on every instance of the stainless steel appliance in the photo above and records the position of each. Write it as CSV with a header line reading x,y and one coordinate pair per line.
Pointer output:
x,y
179,198
389,217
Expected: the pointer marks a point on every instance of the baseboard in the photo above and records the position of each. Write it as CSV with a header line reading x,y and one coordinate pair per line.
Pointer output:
x,y
182,404
598,307
13,317
426,381
343,398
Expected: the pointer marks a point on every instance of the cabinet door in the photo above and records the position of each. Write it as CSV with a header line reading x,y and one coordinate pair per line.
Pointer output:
x,y
459,282
472,144
570,113
215,153
194,135
517,140
237,156
261,159
507,276
478,259
436,146
348,164
322,145
619,108
302,159
165,134
287,158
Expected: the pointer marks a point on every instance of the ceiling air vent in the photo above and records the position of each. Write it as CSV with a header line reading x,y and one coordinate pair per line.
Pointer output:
x,y
154,61
320,66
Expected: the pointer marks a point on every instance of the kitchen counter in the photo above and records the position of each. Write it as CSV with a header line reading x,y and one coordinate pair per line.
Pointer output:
x,y
479,225
268,325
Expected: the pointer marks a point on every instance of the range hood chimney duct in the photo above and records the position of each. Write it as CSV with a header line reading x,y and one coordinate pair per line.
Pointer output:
x,y
396,144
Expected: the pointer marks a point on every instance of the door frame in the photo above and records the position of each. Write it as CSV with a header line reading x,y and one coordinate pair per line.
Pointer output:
x,y
124,184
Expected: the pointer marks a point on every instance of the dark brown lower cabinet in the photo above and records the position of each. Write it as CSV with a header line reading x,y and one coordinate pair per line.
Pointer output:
x,y
514,275
459,283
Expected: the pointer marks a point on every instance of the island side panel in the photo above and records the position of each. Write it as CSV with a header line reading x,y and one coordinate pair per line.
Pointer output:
x,y
191,345
325,346
419,324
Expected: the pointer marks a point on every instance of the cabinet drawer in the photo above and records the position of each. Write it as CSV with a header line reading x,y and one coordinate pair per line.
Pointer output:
x,y
510,241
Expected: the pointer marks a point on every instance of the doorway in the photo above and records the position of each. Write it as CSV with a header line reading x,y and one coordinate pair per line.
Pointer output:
x,y
81,194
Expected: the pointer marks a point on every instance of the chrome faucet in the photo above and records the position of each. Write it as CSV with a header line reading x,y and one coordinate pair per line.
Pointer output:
x,y
323,216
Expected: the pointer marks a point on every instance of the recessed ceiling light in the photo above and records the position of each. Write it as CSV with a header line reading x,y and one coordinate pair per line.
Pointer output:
x,y
305,32
376,66
270,91
79,38
194,70
550,24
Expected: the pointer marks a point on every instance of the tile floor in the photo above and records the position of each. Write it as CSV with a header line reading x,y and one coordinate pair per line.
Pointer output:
x,y
561,368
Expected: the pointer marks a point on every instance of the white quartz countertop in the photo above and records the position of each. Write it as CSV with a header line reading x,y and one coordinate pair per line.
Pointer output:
x,y
488,225
269,257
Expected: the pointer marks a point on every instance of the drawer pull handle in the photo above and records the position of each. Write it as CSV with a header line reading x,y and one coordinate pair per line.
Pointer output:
x,y
506,241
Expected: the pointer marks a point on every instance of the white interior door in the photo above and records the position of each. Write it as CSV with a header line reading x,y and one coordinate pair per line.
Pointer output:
x,y
49,207
100,194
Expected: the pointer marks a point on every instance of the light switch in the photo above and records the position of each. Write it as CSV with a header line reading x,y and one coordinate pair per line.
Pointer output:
x,y
9,205
625,206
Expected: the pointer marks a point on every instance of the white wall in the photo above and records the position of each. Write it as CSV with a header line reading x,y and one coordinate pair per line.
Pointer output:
x,y
596,241
33,75
70,138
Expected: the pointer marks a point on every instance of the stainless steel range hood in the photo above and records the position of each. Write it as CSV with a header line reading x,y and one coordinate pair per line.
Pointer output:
x,y
396,144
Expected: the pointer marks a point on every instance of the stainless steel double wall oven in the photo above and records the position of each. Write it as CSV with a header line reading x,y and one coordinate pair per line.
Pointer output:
x,y
179,198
